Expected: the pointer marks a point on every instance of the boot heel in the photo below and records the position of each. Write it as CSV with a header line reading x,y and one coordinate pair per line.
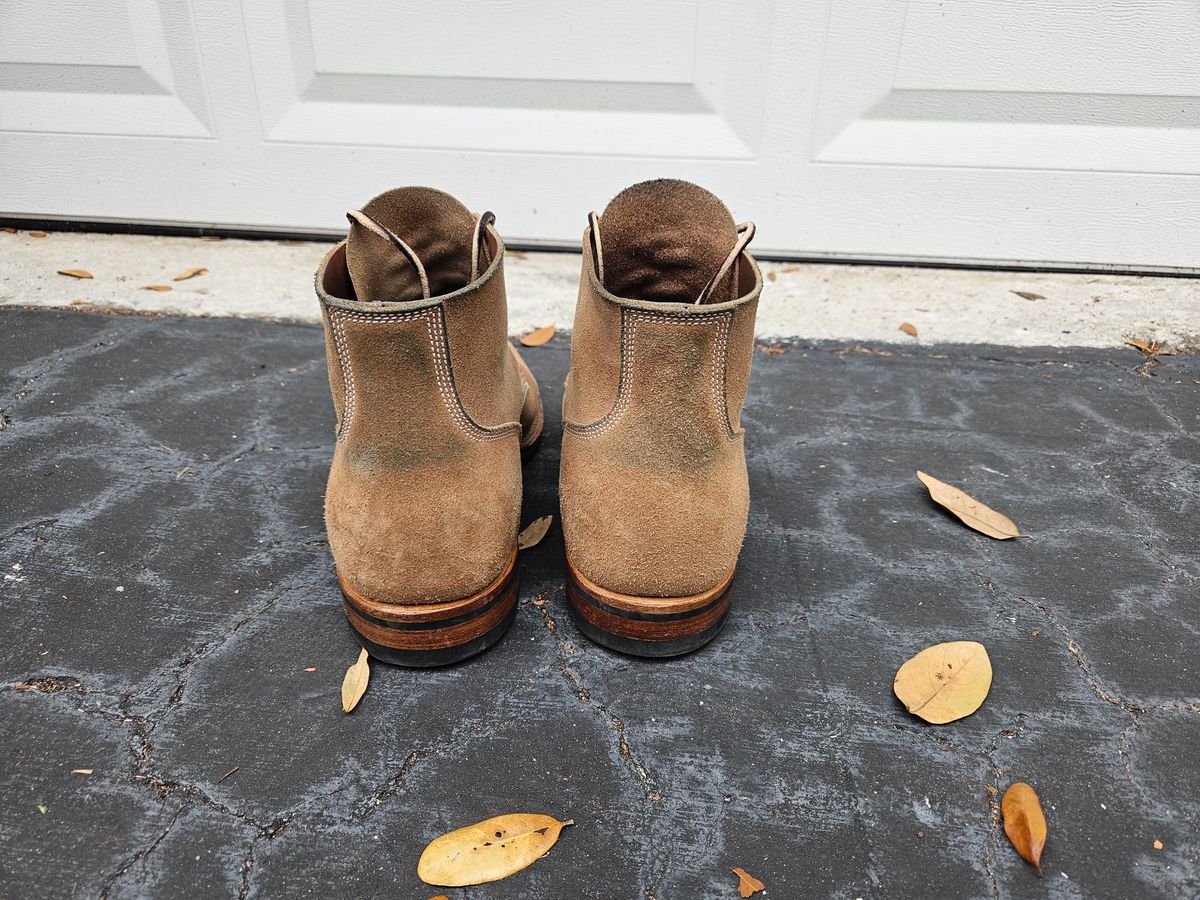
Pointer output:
x,y
647,626
434,634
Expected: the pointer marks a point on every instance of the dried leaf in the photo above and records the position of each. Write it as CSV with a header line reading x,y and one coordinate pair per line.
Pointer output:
x,y
909,329
81,771
771,276
538,337
8,229
1024,822
748,885
190,273
75,273
534,532
1028,295
1148,348
1158,845
354,685
157,287
945,682
37,234
970,511
488,850
211,237
440,897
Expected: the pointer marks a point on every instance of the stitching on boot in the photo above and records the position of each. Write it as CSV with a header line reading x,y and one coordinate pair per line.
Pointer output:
x,y
443,373
629,322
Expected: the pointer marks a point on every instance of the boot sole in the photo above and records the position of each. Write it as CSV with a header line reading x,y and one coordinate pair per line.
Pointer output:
x,y
647,626
421,635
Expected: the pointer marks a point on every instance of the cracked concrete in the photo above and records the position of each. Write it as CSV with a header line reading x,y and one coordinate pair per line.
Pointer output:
x,y
162,500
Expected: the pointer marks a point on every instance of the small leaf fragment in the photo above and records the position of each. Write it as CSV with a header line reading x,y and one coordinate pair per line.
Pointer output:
x,y
190,273
42,809
1147,348
37,234
1158,845
538,337
970,511
945,682
8,229
489,850
157,287
909,328
75,273
1028,295
534,532
81,771
748,885
1024,822
354,685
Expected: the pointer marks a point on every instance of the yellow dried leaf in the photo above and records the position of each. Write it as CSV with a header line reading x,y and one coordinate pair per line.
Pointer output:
x,y
748,885
538,337
488,850
1024,822
534,532
190,273
157,287
970,511
909,329
75,273
354,685
945,682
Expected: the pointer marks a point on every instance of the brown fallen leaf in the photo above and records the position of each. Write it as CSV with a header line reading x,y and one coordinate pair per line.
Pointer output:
x,y
771,276
354,685
75,273
748,885
8,229
1028,295
909,328
970,511
534,532
489,850
1148,348
945,682
190,273
81,771
538,337
37,234
157,287
1024,823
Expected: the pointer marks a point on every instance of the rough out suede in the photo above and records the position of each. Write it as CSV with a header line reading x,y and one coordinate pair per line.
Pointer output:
x,y
653,487
433,404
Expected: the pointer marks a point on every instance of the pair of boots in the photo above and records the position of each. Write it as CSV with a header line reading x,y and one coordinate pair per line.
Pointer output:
x,y
436,412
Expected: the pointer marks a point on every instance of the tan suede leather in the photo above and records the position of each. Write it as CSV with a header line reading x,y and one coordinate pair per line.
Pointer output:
x,y
433,406
653,485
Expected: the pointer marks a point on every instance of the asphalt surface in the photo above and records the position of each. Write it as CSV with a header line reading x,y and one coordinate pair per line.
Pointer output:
x,y
166,587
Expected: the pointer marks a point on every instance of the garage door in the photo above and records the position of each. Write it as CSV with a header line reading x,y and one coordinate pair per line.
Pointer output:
x,y
1034,131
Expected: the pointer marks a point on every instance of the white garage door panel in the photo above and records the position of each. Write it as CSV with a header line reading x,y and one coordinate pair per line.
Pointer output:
x,y
1036,131
102,67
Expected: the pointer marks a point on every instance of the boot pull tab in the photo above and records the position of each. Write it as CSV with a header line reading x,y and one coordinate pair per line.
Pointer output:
x,y
745,236
594,222
371,224
479,242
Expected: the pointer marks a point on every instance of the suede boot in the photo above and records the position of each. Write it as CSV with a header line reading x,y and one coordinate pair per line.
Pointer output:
x,y
653,480
434,412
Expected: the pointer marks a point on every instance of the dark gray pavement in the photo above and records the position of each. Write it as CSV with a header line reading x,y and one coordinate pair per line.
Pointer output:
x,y
160,492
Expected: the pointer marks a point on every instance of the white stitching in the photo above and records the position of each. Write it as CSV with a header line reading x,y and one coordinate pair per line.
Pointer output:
x,y
441,366
625,379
